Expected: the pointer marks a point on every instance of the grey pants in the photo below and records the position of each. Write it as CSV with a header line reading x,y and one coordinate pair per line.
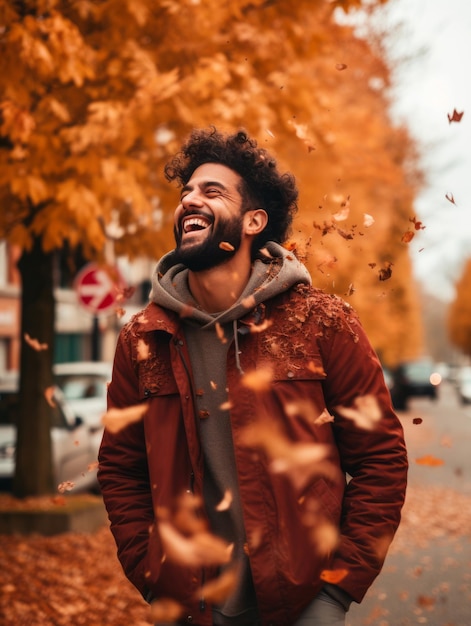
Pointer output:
x,y
323,611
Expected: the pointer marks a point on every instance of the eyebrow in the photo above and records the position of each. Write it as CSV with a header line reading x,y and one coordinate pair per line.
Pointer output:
x,y
204,185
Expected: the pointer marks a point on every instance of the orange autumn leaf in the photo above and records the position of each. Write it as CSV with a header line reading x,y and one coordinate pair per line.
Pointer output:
x,y
114,420
49,395
220,588
34,343
430,460
259,379
165,610
333,576
226,501
407,236
225,245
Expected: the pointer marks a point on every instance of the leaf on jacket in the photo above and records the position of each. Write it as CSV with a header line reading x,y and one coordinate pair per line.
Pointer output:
x,y
366,412
165,610
115,420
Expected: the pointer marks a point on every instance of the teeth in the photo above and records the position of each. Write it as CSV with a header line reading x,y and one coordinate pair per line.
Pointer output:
x,y
194,223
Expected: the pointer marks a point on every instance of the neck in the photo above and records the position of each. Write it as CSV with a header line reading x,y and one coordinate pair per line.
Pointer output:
x,y
218,288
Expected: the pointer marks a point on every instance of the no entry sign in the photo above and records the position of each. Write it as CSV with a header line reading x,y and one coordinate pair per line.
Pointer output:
x,y
97,288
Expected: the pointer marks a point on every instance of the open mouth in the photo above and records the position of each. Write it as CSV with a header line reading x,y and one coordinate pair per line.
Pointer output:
x,y
194,223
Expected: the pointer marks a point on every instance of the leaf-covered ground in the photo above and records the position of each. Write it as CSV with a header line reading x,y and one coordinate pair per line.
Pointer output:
x,y
75,579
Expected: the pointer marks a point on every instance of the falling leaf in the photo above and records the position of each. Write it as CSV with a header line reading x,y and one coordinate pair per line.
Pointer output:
x,y
49,395
200,550
220,588
325,536
120,312
455,116
165,610
214,385
430,460
299,461
426,602
324,418
351,290
226,501
67,485
92,466
417,420
225,245
418,225
407,236
125,293
258,379
385,273
220,333
450,198
269,133
34,343
368,220
115,420
340,66
333,576
249,302
316,369
365,413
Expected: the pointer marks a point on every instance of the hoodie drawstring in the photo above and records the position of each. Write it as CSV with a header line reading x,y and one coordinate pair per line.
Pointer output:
x,y
236,347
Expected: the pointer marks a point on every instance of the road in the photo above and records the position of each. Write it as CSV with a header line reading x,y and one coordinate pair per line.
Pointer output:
x,y
426,578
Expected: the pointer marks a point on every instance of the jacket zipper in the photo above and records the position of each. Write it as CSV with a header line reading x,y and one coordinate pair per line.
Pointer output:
x,y
202,602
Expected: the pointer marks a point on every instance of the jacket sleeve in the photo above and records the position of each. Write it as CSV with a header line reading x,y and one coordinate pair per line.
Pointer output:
x,y
375,460
124,479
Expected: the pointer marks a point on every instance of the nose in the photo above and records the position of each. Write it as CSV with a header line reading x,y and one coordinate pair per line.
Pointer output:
x,y
191,199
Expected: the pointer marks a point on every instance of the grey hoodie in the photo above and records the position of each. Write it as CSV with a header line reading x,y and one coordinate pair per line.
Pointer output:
x,y
209,336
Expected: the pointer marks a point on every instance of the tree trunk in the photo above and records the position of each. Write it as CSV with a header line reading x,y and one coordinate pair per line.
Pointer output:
x,y
34,473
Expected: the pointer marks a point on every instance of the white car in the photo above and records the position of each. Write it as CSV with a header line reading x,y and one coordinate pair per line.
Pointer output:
x,y
74,444
84,385
463,384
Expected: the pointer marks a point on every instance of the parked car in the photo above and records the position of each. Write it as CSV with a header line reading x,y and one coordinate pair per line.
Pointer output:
x,y
463,384
74,444
84,385
414,379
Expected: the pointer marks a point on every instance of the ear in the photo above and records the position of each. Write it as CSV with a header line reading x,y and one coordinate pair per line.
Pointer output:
x,y
255,221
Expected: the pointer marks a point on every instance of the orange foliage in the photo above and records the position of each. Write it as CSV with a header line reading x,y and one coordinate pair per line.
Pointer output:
x,y
459,316
96,96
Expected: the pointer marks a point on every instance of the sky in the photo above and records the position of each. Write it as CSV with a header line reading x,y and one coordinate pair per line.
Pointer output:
x,y
433,79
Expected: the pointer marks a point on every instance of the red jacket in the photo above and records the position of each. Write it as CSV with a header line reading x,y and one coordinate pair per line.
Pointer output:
x,y
319,353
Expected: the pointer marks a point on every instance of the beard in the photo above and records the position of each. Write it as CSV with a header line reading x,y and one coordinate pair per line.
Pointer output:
x,y
208,254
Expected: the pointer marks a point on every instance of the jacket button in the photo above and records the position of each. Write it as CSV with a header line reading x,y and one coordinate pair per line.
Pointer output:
x,y
290,374
147,392
189,618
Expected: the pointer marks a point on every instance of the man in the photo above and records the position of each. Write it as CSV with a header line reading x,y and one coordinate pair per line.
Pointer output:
x,y
264,482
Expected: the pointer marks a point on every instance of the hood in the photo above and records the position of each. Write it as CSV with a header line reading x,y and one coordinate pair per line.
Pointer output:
x,y
274,271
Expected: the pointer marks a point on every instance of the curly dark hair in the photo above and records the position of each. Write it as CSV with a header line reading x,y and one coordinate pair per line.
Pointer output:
x,y
263,184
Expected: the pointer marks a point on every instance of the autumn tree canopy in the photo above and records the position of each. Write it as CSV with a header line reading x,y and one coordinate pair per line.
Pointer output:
x,y
459,315
95,95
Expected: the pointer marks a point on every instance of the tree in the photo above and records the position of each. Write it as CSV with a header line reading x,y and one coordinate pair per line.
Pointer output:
x,y
459,315
96,94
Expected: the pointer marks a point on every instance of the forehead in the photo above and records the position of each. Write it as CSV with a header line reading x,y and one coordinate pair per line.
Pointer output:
x,y
216,173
